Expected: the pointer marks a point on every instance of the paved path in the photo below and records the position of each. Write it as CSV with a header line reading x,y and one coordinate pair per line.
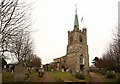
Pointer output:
x,y
48,78
96,78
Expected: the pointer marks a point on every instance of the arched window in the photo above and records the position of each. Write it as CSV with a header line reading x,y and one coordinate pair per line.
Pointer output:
x,y
81,59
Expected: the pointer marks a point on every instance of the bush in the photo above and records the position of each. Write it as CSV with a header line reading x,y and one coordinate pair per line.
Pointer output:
x,y
79,75
103,72
117,77
110,74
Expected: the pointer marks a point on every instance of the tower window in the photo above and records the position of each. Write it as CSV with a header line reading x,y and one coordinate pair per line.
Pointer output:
x,y
80,38
81,59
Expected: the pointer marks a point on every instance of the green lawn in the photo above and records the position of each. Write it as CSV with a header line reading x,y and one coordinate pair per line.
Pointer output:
x,y
34,78
0,77
65,77
88,78
106,79
7,77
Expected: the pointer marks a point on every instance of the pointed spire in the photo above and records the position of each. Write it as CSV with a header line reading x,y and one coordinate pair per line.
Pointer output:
x,y
76,22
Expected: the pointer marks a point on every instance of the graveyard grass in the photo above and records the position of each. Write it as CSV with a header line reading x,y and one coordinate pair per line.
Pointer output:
x,y
35,78
7,77
58,75
66,77
0,77
106,79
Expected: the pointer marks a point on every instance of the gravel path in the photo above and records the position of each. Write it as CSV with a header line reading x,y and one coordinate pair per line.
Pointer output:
x,y
48,78
96,78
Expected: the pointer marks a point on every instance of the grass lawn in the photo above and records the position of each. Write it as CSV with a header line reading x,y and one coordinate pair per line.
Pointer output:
x,y
88,78
7,77
0,77
106,79
34,78
65,77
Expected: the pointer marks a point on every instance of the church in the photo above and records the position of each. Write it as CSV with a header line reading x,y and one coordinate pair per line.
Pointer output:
x,y
77,57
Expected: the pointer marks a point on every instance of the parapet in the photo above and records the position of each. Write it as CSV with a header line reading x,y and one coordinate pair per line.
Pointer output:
x,y
84,29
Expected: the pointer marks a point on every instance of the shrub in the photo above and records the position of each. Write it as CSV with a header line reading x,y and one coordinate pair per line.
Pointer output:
x,y
110,74
79,75
103,72
117,77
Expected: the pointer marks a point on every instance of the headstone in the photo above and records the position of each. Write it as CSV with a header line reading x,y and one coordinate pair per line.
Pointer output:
x,y
20,72
67,70
62,70
52,70
77,70
5,66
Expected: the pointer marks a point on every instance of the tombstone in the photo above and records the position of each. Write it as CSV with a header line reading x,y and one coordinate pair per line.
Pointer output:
x,y
62,70
5,66
52,69
19,75
67,70
77,70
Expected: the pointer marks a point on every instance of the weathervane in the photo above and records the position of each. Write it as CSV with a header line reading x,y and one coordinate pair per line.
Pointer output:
x,y
76,8
82,19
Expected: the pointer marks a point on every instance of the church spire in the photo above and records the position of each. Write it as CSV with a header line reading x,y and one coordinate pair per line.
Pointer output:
x,y
76,22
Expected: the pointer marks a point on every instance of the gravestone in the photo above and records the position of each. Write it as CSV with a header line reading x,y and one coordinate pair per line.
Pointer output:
x,y
20,71
52,70
67,70
62,70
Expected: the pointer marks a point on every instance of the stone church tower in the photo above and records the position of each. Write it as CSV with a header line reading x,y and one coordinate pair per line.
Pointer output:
x,y
77,49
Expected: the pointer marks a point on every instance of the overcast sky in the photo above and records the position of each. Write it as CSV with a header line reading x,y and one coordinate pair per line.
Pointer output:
x,y
54,18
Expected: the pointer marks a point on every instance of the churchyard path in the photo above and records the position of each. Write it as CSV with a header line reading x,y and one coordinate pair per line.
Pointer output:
x,y
48,78
96,78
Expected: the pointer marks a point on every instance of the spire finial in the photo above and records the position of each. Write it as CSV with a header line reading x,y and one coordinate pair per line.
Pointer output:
x,y
76,22
76,9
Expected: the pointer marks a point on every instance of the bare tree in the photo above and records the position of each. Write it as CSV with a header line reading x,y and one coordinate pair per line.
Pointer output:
x,y
21,46
111,59
36,62
115,48
14,23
